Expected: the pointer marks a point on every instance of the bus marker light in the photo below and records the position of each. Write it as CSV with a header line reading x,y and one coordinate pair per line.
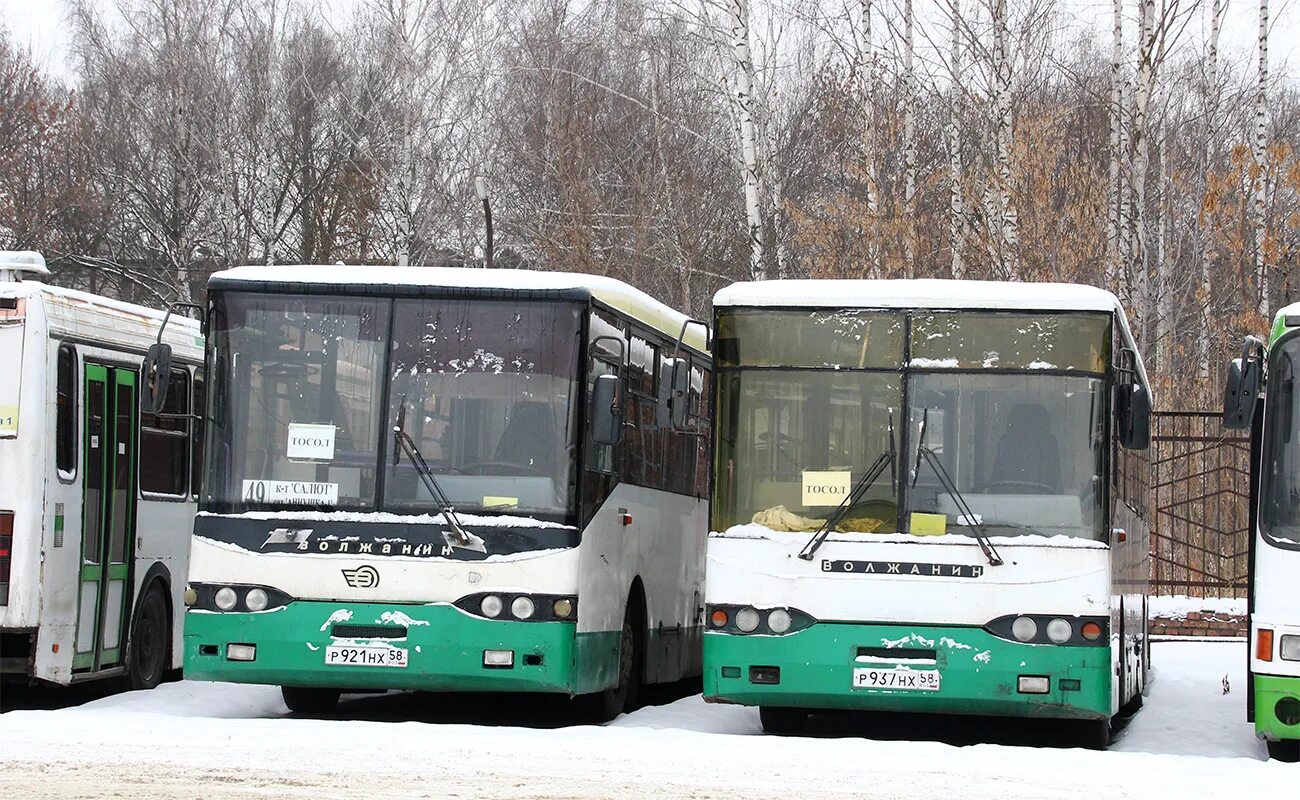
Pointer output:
x,y
1091,631
1289,648
1033,684
522,607
562,608
54,648
779,620
1058,630
627,519
241,652
255,600
1024,629
1264,644
719,618
499,659
225,598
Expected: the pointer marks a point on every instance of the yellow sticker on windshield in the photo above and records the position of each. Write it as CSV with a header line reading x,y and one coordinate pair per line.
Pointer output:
x,y
500,502
929,524
8,420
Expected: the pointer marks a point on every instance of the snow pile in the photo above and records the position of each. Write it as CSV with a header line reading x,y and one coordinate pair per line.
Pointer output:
x,y
1179,606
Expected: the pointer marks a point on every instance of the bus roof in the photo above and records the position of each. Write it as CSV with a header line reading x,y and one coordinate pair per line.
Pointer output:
x,y
83,316
339,277
923,293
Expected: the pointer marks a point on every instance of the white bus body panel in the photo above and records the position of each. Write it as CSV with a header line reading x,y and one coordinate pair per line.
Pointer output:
x,y
767,573
1276,604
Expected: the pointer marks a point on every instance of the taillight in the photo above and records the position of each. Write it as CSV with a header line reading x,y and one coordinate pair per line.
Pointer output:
x,y
6,549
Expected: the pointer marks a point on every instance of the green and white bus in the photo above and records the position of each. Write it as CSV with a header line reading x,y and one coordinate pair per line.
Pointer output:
x,y
97,498
449,479
929,496
1261,394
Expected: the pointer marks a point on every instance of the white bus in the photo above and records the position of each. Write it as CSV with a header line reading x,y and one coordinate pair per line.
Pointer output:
x,y
96,499
929,496
449,479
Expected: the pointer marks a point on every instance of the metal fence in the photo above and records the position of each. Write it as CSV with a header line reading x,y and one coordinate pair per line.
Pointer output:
x,y
1200,487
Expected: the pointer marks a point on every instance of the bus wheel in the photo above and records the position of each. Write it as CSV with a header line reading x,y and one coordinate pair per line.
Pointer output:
x,y
1287,750
150,642
302,700
622,697
1094,734
783,721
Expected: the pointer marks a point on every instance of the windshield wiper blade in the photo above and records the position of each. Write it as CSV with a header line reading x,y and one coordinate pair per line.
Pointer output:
x,y
889,459
457,536
972,519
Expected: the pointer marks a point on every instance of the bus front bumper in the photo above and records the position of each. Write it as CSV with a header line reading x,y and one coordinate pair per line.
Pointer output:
x,y
445,648
823,667
1276,695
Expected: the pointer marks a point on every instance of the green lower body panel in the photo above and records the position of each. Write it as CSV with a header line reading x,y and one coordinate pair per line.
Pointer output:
x,y
1270,690
978,673
444,649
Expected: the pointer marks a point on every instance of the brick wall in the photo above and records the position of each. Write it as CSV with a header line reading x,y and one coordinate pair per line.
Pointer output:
x,y
1200,623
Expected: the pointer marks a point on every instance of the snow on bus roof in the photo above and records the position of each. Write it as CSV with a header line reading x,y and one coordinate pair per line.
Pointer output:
x,y
921,293
616,293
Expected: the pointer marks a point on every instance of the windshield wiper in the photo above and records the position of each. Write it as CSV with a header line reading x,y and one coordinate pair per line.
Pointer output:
x,y
457,536
972,520
889,458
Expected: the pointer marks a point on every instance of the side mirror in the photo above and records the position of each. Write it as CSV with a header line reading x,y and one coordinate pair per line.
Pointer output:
x,y
678,384
155,378
1134,414
1240,388
606,416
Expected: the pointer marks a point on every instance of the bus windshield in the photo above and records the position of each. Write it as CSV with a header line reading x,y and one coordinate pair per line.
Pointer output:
x,y
1280,481
489,389
306,392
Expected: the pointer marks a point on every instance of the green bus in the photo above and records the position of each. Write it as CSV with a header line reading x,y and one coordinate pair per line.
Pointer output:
x,y
929,496
1260,395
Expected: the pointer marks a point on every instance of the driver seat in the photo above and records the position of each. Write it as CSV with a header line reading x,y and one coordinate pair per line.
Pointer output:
x,y
1028,453
530,437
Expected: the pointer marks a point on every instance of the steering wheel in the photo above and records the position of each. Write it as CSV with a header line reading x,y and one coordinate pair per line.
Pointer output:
x,y
499,468
1002,487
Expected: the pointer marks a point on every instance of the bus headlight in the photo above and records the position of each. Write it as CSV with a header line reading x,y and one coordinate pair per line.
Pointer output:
x,y
1024,629
491,606
225,598
1058,630
255,600
747,620
779,620
522,607
1289,649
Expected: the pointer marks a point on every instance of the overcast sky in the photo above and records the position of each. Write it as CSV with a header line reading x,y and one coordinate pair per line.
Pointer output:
x,y
41,26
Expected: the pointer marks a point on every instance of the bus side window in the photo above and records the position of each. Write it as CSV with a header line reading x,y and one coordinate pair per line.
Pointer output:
x,y
164,442
196,432
65,416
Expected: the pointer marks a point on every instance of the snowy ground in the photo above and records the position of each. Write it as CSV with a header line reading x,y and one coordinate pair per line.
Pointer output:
x,y
188,739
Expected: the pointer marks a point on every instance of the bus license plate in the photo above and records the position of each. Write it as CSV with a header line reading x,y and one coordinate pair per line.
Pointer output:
x,y
915,680
343,656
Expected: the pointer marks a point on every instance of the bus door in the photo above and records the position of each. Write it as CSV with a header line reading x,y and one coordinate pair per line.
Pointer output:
x,y
109,489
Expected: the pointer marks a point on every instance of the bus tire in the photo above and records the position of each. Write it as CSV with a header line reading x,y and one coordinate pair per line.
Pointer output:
x,y
150,643
1094,734
783,721
605,705
1285,750
310,700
